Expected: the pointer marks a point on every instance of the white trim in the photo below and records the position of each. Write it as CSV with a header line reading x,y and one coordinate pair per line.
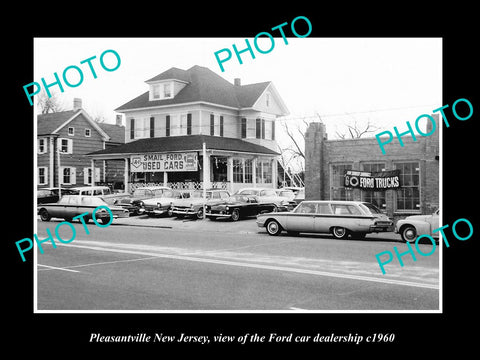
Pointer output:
x,y
278,99
175,105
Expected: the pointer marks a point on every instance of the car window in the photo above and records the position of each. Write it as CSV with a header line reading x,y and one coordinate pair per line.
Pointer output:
x,y
340,209
306,208
323,209
224,195
268,193
156,192
354,210
139,192
370,208
64,200
248,192
97,192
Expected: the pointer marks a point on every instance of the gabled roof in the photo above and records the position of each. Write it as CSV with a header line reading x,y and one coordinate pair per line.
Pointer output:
x,y
51,124
203,85
185,143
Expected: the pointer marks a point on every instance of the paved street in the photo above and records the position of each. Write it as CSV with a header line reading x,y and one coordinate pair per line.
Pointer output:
x,y
168,264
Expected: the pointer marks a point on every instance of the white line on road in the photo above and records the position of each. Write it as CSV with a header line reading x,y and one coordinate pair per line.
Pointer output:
x,y
261,266
55,268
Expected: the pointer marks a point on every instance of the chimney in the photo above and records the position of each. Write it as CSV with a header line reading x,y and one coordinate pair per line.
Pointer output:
x,y
237,82
118,120
77,104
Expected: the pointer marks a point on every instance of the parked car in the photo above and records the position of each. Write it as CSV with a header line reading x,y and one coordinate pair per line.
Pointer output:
x,y
237,207
162,205
49,195
70,206
298,191
268,196
134,203
413,226
340,218
193,205
102,191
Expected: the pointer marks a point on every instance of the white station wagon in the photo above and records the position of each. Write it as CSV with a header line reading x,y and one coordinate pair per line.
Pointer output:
x,y
340,218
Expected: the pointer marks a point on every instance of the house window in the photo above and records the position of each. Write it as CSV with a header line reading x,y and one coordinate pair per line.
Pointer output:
x,y
376,198
264,172
258,128
87,175
42,146
189,124
221,125
42,175
248,171
167,125
132,128
152,127
237,171
71,131
243,128
66,146
337,184
408,196
167,90
267,99
156,91
68,175
88,132
212,125
273,130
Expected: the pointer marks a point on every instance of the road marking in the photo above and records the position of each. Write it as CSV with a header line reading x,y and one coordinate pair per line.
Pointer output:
x,y
111,262
55,268
261,266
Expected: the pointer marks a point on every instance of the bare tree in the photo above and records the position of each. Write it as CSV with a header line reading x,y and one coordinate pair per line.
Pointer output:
x,y
356,132
50,104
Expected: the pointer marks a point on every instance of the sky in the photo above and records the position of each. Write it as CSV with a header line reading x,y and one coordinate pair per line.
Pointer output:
x,y
384,81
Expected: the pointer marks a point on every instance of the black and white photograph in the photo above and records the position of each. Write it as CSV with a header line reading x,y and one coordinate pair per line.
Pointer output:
x,y
280,185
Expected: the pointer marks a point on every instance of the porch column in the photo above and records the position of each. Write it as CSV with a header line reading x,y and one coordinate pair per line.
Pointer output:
x,y
274,173
125,176
165,178
93,172
230,173
51,162
254,172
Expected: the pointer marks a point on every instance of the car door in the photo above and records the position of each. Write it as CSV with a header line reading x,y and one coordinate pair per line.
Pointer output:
x,y
303,219
323,218
434,221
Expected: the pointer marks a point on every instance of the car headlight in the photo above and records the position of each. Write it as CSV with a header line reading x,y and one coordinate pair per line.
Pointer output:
x,y
159,204
227,208
141,203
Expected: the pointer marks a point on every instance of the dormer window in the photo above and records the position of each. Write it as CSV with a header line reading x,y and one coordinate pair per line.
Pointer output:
x,y
161,91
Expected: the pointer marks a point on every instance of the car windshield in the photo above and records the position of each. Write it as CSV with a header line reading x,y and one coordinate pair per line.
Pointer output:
x,y
305,208
168,194
370,208
268,193
199,194
158,192
237,198
248,192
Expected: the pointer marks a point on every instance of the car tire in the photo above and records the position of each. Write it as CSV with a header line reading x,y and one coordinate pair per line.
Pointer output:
x,y
213,218
68,219
235,214
105,220
44,215
409,234
199,214
273,227
170,212
339,232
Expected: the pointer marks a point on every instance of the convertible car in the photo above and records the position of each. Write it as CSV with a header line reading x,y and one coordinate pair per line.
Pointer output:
x,y
237,207
340,218
70,206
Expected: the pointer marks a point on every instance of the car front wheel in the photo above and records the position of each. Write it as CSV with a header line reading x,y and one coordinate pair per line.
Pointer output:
x,y
200,213
339,232
409,234
273,228
235,215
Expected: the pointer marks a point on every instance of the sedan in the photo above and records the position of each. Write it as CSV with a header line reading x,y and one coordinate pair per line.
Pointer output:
x,y
340,218
70,206
413,226
237,207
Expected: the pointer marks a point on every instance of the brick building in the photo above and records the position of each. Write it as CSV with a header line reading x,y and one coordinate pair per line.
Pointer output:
x,y
417,162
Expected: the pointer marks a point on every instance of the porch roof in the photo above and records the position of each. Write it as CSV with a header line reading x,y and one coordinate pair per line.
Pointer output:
x,y
183,143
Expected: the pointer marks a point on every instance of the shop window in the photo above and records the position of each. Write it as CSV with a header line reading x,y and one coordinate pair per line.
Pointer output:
x,y
408,196
337,185
264,172
42,175
376,198
237,171
248,171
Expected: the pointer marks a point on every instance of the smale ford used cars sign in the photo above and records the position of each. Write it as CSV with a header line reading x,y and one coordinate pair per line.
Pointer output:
x,y
164,162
